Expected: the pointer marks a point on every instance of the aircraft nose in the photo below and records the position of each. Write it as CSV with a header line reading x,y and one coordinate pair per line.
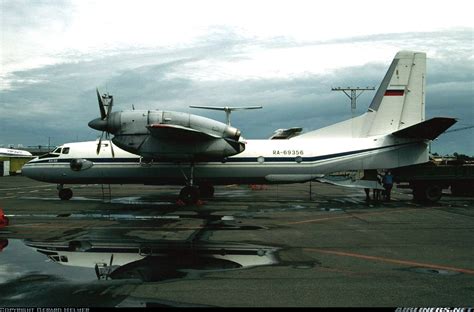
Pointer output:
x,y
98,124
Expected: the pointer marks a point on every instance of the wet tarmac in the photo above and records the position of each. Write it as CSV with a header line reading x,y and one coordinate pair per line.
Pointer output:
x,y
286,245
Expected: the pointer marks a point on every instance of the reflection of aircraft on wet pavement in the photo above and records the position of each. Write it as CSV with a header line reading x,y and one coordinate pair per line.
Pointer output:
x,y
172,148
154,261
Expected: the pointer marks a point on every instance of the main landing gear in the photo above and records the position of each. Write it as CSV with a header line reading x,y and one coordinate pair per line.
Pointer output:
x,y
191,193
64,193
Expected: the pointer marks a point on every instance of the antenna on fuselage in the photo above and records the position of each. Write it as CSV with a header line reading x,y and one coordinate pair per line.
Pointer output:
x,y
226,109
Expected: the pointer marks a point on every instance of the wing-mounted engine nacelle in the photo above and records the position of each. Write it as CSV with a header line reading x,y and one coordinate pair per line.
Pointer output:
x,y
195,122
80,164
136,123
174,135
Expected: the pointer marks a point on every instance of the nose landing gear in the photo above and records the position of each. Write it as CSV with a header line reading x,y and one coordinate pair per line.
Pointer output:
x,y
64,193
189,195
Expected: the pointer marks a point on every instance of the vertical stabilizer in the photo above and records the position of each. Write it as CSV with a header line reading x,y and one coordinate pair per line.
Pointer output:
x,y
400,99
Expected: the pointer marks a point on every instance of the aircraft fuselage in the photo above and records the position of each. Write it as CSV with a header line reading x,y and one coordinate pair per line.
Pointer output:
x,y
263,161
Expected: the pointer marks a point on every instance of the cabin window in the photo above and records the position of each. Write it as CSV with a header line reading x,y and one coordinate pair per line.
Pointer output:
x,y
66,150
57,151
64,259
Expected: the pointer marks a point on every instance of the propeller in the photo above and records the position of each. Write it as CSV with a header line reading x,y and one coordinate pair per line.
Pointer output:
x,y
106,102
107,269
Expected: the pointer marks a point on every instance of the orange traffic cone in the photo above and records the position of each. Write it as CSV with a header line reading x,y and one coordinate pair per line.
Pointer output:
x,y
3,219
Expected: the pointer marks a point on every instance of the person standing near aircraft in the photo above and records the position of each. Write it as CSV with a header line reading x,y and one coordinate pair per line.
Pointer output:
x,y
371,175
387,181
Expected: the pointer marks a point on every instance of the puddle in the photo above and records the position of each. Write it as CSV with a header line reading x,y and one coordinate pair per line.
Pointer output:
x,y
331,209
303,265
18,260
87,261
136,200
233,193
75,198
95,216
432,271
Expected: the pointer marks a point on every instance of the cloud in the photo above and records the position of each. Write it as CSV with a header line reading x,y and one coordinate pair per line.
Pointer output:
x,y
291,78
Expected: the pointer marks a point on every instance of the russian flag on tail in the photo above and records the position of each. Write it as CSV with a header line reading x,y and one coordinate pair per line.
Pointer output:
x,y
394,92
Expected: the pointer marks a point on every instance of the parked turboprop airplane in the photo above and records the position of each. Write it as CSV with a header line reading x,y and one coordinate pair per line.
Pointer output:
x,y
172,148
14,153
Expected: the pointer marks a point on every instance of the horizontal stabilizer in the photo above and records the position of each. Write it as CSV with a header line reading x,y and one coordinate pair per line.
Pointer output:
x,y
428,129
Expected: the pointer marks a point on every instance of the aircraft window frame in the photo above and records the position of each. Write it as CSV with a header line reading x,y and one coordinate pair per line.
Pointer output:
x,y
49,155
57,150
66,150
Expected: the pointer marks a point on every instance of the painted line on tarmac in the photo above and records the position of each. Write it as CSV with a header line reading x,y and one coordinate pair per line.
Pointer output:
x,y
389,260
358,215
23,187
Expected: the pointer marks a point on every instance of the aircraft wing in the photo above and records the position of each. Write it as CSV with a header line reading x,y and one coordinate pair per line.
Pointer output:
x,y
351,183
170,131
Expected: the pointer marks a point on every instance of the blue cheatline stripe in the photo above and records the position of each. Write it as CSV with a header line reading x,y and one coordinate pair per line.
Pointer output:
x,y
232,159
96,160
310,159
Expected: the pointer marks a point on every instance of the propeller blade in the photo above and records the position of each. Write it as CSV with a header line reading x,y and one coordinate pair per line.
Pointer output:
x,y
109,271
101,105
99,144
112,148
107,137
97,272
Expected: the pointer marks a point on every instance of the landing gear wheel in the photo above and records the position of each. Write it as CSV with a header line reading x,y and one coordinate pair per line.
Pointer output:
x,y
427,193
65,194
433,193
189,195
206,190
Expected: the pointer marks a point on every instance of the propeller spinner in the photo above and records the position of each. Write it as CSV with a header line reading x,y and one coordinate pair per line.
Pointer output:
x,y
106,102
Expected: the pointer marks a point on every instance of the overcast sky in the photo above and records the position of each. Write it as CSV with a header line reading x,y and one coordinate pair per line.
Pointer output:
x,y
284,55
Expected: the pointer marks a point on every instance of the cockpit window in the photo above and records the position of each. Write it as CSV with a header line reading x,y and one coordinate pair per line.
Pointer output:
x,y
66,150
52,154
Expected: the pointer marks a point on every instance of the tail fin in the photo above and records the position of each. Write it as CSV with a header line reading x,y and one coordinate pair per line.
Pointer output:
x,y
398,103
400,99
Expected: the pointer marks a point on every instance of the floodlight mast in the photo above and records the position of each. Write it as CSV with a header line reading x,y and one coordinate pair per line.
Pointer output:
x,y
353,95
355,92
